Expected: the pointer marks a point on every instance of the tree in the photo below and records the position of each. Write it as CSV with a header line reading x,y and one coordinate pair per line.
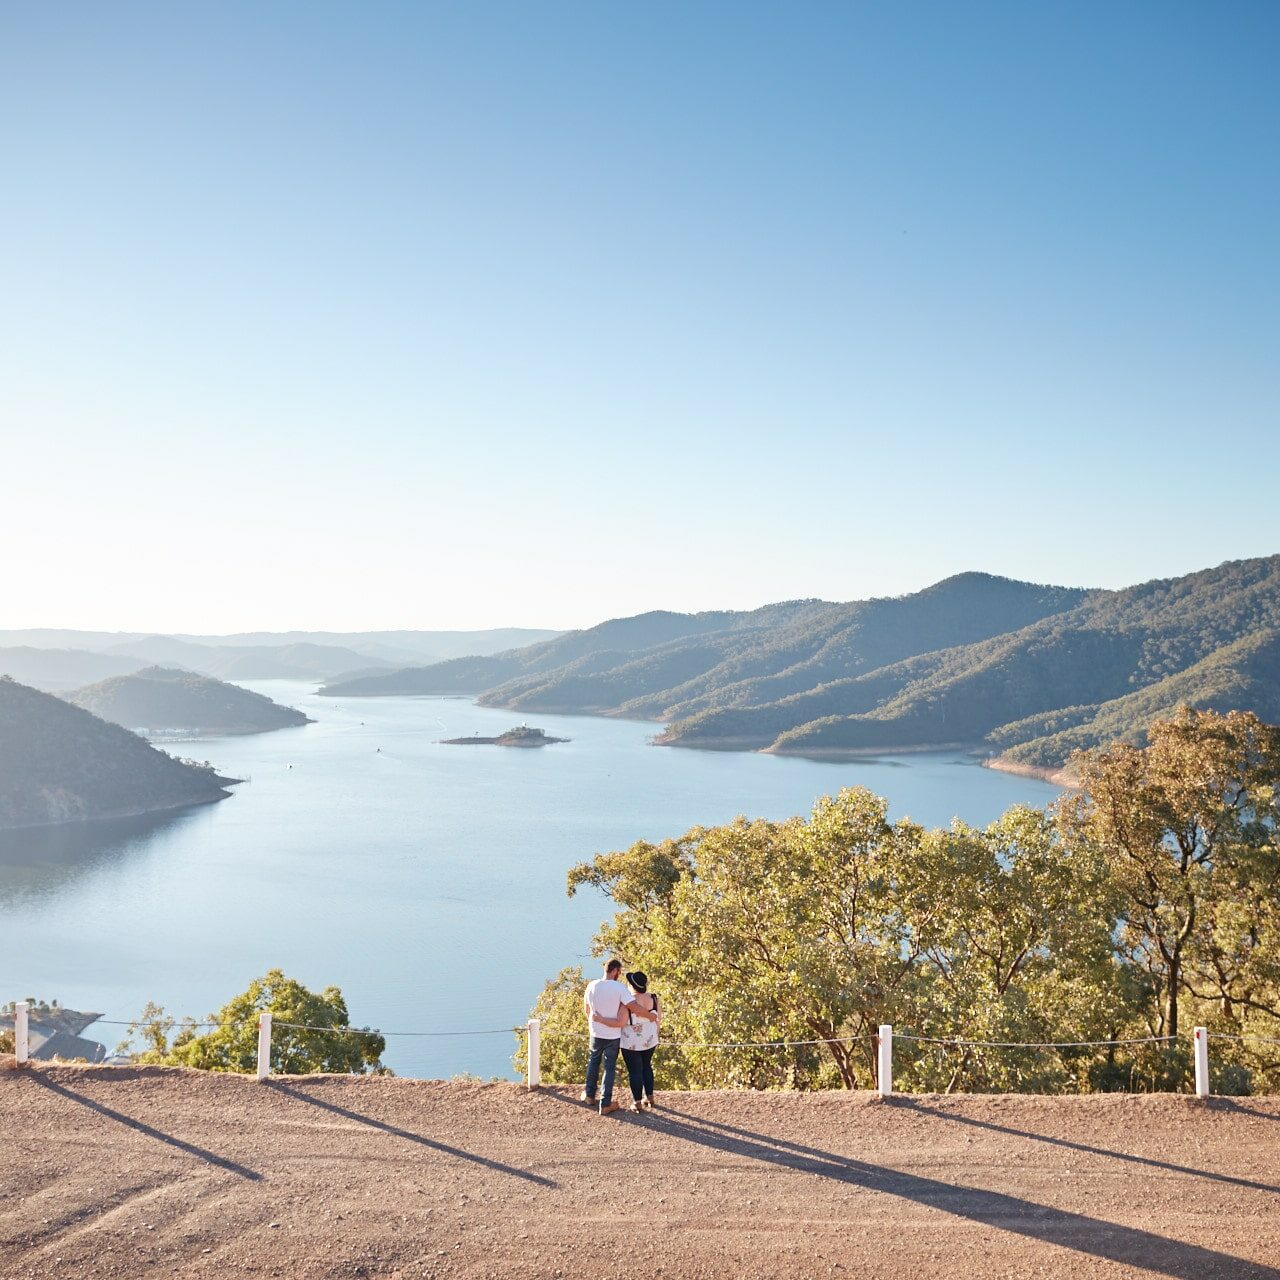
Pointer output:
x,y
1187,829
765,931
154,1027
1156,887
314,1043
563,1056
1012,926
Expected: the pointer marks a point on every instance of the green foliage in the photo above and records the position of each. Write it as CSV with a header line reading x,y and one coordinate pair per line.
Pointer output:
x,y
1156,889
314,1045
563,1052
1187,829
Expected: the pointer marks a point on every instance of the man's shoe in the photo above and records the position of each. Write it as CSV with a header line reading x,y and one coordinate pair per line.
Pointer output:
x,y
610,1108
584,1096
648,1104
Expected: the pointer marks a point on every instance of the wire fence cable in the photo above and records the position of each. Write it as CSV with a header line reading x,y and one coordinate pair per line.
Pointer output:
x,y
1031,1044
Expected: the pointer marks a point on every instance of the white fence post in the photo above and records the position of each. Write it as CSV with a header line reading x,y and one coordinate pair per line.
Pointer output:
x,y
1202,1062
535,1053
884,1065
264,1045
21,1033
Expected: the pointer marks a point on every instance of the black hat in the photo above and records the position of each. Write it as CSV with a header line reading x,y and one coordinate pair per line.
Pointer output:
x,y
638,981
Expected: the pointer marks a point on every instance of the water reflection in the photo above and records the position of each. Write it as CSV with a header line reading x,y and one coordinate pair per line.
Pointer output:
x,y
36,862
426,881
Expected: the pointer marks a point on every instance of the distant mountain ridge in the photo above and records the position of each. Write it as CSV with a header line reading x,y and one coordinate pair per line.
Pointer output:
x,y
158,699
56,669
59,763
1025,670
57,659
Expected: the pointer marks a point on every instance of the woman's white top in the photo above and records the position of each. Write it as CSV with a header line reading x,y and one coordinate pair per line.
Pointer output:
x,y
640,1033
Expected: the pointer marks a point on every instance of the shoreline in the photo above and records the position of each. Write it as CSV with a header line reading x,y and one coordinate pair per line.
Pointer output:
x,y
865,753
136,812
200,734
1059,777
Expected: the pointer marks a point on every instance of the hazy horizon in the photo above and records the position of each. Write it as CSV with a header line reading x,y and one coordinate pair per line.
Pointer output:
x,y
521,625
415,316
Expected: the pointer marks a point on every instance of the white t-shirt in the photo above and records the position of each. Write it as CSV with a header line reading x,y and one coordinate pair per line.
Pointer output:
x,y
606,996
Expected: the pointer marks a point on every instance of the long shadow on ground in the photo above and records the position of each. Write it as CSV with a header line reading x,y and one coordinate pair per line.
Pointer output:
x,y
1234,1104
1085,1149
1095,1237
299,1095
209,1157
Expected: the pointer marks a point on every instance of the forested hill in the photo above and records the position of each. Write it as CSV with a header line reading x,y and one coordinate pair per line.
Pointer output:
x,y
1027,671
164,698
59,763
658,664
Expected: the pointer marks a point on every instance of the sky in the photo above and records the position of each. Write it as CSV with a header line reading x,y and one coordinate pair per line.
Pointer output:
x,y
356,316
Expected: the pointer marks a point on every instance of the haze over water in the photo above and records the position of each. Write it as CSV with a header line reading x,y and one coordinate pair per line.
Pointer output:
x,y
427,881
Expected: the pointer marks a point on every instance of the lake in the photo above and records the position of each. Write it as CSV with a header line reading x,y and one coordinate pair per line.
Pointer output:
x,y
427,881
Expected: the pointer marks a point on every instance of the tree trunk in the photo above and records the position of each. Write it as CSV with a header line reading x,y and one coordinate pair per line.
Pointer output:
x,y
843,1056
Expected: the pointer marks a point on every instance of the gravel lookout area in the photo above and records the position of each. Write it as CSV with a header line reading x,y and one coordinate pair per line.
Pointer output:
x,y
141,1172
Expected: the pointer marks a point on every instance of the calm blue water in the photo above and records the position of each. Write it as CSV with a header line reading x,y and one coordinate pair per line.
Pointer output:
x,y
426,881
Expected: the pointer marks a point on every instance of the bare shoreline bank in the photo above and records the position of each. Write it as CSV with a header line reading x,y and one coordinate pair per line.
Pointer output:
x,y
1060,777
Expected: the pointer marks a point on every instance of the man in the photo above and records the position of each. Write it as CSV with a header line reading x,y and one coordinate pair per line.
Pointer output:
x,y
607,1003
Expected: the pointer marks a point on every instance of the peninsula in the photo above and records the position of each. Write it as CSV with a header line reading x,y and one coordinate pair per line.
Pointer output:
x,y
523,736
162,700
59,763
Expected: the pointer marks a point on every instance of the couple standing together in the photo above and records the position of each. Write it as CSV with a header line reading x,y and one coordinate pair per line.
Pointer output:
x,y
621,1016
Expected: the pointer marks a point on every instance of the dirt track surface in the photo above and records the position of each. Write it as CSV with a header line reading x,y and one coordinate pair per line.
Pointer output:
x,y
157,1172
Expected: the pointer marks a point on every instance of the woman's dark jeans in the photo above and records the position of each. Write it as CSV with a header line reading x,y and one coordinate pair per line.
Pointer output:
x,y
639,1071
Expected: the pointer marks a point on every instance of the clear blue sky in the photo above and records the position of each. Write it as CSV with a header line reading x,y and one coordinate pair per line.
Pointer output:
x,y
426,315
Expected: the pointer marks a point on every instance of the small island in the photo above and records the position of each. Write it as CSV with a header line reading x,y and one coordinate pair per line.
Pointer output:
x,y
523,736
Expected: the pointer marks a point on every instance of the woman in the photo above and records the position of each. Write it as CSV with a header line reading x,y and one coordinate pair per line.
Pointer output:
x,y
639,1040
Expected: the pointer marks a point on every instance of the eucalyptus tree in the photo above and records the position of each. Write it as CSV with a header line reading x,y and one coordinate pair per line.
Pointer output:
x,y
1012,926
317,1040
761,931
1187,828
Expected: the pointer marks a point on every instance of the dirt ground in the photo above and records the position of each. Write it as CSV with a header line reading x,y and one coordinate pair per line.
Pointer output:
x,y
162,1172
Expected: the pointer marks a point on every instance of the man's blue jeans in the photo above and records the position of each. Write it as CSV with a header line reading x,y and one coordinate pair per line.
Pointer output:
x,y
608,1050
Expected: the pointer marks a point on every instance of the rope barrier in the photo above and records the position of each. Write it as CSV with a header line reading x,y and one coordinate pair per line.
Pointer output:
x,y
178,1024
1030,1044
373,1031
727,1044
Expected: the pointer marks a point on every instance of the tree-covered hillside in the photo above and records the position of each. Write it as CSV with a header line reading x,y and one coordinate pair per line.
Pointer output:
x,y
975,660
164,698
59,763
607,645
1116,652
